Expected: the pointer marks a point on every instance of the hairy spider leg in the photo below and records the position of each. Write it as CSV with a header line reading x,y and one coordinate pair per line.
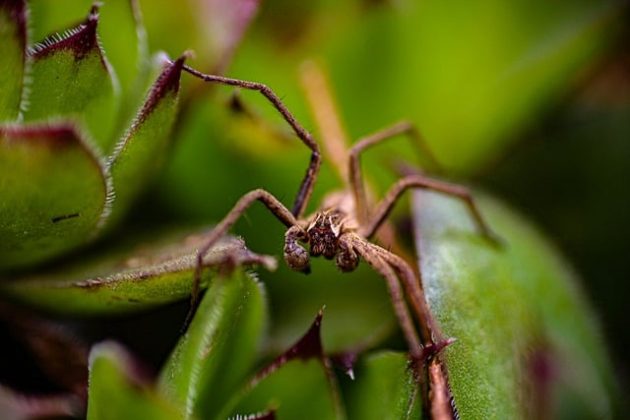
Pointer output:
x,y
354,171
272,203
306,187
419,181
380,265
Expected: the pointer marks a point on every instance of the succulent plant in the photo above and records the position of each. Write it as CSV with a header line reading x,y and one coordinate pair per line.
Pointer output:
x,y
85,129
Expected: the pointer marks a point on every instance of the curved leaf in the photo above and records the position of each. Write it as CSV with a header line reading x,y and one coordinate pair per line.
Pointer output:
x,y
53,190
144,147
297,384
117,390
527,342
384,388
214,356
132,277
72,78
13,53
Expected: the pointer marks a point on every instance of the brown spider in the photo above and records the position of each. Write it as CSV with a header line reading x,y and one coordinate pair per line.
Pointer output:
x,y
343,225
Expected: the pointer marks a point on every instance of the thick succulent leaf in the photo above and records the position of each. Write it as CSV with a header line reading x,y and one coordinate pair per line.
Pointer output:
x,y
53,189
49,16
384,388
297,384
13,52
72,78
144,147
527,342
213,358
117,390
133,276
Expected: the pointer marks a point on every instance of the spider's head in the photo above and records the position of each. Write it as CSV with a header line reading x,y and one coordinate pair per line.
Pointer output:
x,y
323,234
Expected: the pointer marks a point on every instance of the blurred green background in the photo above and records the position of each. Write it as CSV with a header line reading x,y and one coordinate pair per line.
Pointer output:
x,y
527,99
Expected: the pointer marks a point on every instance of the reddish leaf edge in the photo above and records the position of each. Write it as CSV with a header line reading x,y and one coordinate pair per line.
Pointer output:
x,y
167,82
81,40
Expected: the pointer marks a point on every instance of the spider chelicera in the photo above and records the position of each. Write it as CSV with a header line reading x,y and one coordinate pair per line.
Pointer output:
x,y
342,228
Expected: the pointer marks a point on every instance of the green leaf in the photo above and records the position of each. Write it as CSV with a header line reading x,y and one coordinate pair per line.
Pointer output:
x,y
144,147
72,78
13,53
297,384
217,352
525,334
384,388
124,40
53,190
118,391
135,275
471,75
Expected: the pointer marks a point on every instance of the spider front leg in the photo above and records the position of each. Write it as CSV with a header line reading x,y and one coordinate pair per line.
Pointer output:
x,y
308,182
419,181
381,266
272,203
355,174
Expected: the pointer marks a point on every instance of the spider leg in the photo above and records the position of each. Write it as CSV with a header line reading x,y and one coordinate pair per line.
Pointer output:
x,y
413,287
354,170
272,203
381,266
419,181
306,187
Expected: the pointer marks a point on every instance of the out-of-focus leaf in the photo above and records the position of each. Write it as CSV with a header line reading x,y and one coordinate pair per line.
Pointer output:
x,y
50,16
213,358
211,28
16,406
57,350
72,78
470,74
384,388
225,23
47,209
117,390
128,278
13,53
468,90
297,384
124,41
144,147
527,342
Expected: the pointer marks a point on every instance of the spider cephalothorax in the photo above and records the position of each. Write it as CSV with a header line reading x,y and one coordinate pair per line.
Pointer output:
x,y
323,233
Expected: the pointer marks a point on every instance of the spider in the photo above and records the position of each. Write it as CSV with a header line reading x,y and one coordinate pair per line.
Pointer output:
x,y
342,228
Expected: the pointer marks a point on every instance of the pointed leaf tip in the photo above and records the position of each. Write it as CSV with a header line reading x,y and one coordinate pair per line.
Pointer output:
x,y
81,40
167,82
307,347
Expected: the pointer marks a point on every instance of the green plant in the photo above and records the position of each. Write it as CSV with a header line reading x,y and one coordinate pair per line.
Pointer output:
x,y
522,327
